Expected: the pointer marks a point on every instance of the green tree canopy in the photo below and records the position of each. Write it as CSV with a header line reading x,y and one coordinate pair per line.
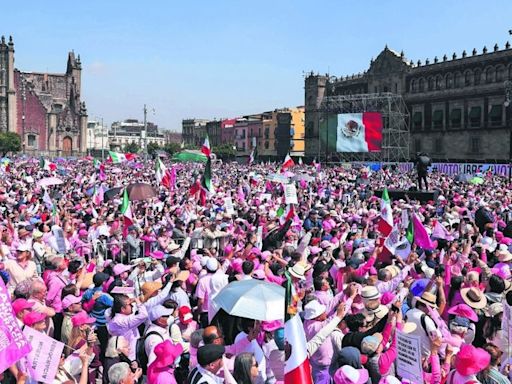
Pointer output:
x,y
131,148
9,142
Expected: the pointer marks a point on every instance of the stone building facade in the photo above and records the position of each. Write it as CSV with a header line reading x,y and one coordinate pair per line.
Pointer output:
x,y
456,104
45,109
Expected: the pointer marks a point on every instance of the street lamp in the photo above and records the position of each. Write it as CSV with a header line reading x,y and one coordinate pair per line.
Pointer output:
x,y
508,99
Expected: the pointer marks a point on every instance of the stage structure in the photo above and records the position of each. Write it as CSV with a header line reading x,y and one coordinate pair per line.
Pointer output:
x,y
395,132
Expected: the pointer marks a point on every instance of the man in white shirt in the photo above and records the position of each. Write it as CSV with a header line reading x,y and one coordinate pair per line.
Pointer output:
x,y
158,331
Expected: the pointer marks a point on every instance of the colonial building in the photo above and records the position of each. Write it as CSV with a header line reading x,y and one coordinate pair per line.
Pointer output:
x,y
456,103
122,133
45,109
193,131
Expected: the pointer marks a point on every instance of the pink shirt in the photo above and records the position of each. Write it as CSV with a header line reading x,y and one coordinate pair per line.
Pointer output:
x,y
203,290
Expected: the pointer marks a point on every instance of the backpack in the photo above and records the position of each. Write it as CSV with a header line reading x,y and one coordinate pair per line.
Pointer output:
x,y
140,350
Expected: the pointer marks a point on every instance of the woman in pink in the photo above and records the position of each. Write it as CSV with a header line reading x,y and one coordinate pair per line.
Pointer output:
x,y
148,239
161,371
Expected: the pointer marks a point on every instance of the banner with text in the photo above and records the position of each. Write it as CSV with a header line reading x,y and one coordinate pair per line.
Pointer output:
x,y
449,169
408,360
45,356
13,344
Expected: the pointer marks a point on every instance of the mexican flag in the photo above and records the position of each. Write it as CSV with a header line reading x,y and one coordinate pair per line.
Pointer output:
x,y
385,224
252,157
163,176
47,165
359,132
117,157
206,147
206,180
126,210
297,368
285,214
288,162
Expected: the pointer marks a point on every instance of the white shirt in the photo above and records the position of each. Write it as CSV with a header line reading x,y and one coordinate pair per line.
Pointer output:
x,y
153,340
414,316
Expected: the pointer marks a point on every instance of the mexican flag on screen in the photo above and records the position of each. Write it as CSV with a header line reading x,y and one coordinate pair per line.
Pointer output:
x,y
359,132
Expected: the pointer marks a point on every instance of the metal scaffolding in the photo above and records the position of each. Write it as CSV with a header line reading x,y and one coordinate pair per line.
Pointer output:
x,y
395,145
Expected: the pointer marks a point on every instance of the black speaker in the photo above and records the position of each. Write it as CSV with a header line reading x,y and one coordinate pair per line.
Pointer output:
x,y
413,195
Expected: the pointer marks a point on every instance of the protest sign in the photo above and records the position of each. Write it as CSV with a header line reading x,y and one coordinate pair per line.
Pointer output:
x,y
59,237
259,238
123,290
13,344
408,360
44,358
290,194
228,202
266,196
405,219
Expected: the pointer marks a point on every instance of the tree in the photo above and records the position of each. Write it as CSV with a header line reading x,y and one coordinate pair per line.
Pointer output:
x,y
152,147
172,148
132,147
9,142
224,151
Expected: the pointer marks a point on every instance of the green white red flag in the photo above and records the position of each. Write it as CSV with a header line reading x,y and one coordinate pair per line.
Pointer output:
x,y
206,147
385,224
126,210
117,157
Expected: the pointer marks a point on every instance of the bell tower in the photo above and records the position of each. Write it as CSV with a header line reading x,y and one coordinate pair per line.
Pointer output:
x,y
7,88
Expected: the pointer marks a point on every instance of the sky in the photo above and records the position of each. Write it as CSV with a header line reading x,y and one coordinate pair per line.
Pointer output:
x,y
227,58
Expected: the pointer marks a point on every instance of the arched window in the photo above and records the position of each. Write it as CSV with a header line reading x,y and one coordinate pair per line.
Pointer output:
x,y
439,82
430,84
467,78
477,76
422,85
456,80
449,81
500,73
489,75
413,85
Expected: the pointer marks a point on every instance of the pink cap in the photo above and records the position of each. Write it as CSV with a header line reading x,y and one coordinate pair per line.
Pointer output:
x,y
82,232
33,317
387,297
19,305
120,268
271,326
70,300
159,255
82,318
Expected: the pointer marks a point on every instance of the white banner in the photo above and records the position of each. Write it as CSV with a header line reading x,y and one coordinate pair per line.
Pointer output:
x,y
408,360
228,202
44,358
290,194
259,238
404,223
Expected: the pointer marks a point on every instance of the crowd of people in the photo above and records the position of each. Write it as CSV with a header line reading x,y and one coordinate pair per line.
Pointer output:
x,y
133,302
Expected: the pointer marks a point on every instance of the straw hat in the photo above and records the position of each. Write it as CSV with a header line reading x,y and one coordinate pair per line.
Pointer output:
x,y
299,271
474,297
429,299
149,288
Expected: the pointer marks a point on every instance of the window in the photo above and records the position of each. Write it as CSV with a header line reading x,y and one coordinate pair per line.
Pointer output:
x,y
489,75
438,82
475,115
438,145
430,84
477,77
475,145
413,85
422,85
31,140
417,120
500,73
467,78
495,115
456,80
437,119
456,117
266,144
449,81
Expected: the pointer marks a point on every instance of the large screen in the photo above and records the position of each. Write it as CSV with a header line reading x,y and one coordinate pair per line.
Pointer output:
x,y
351,132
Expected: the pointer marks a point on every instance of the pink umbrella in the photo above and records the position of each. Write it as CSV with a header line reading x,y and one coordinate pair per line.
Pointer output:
x,y
47,181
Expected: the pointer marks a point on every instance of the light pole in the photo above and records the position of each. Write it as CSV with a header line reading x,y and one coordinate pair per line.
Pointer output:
x,y
508,99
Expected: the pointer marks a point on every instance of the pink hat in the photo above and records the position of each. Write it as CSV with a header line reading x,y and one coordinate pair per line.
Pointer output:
x,y
349,375
258,274
265,255
471,360
315,250
387,297
19,305
271,326
70,300
166,352
33,317
463,310
82,318
503,271
159,255
120,268
82,232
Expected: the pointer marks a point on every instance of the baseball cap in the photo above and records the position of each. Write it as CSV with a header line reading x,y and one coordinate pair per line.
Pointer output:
x,y
19,305
33,317
82,318
70,300
159,311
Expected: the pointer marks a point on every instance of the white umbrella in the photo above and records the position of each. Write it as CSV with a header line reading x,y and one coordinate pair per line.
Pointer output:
x,y
49,181
252,299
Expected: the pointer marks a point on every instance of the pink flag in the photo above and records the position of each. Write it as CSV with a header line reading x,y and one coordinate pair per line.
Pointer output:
x,y
13,344
240,194
172,178
421,237
440,232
